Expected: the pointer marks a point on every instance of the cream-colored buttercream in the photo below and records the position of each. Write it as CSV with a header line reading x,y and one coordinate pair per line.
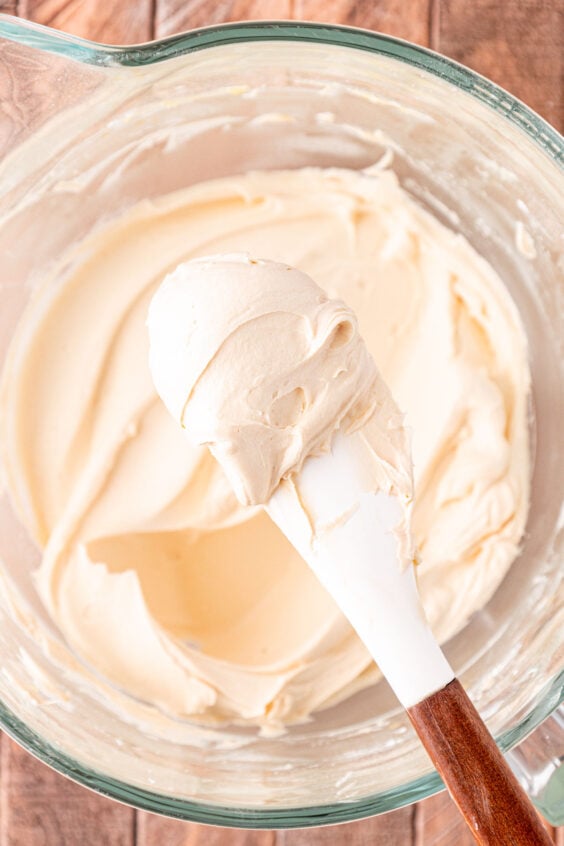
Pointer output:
x,y
254,361
153,571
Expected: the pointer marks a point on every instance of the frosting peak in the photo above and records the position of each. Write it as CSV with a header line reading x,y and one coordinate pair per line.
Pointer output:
x,y
255,361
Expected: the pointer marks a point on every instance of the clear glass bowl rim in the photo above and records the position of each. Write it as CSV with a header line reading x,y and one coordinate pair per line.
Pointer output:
x,y
536,128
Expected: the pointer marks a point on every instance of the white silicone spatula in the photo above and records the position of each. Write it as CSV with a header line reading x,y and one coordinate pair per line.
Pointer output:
x,y
342,527
356,559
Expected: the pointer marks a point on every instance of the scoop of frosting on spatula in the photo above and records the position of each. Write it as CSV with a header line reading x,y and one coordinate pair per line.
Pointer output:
x,y
255,361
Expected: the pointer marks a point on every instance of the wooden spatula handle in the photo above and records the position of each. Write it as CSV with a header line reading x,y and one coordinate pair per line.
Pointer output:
x,y
496,808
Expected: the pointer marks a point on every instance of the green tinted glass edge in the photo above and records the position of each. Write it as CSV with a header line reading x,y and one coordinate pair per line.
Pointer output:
x,y
88,52
547,138
255,818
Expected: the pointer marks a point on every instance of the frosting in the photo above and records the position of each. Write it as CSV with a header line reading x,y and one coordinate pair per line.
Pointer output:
x,y
152,569
256,362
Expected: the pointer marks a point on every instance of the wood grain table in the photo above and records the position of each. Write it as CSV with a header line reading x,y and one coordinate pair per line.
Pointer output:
x,y
517,43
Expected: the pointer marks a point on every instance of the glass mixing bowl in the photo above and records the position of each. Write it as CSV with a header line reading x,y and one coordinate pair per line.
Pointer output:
x,y
87,130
